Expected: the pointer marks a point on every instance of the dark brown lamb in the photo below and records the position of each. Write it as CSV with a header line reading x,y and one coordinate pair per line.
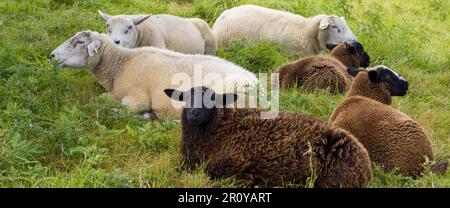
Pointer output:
x,y
291,149
322,72
391,137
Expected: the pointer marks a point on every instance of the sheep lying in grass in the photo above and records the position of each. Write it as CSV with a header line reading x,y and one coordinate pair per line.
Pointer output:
x,y
321,72
289,149
137,77
296,34
191,36
391,137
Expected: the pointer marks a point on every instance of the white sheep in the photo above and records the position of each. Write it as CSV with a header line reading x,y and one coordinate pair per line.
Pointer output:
x,y
296,34
191,36
137,77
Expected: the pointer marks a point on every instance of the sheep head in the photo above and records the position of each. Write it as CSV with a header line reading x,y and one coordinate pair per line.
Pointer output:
x,y
350,54
122,29
201,103
334,30
78,51
379,83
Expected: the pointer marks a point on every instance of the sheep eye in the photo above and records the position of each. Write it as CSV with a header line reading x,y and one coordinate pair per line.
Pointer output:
x,y
79,42
336,28
129,28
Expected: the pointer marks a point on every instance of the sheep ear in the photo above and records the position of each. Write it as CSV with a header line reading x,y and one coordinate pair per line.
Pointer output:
x,y
174,94
93,48
225,99
324,23
104,16
140,20
353,72
351,49
373,75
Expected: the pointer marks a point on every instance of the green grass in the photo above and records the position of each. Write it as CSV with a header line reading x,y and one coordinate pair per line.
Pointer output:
x,y
59,129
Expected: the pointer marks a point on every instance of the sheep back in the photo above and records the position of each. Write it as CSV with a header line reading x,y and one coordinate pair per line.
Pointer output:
x,y
172,32
391,137
297,35
314,73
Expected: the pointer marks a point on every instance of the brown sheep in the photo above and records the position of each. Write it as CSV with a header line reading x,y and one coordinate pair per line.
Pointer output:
x,y
287,150
391,137
321,72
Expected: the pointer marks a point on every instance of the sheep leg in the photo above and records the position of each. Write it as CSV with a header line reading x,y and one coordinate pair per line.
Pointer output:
x,y
141,105
229,166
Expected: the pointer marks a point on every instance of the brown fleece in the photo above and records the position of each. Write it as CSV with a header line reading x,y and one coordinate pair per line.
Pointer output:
x,y
278,152
392,138
320,72
349,60
362,86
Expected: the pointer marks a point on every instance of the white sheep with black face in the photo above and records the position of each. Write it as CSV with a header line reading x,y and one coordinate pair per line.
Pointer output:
x,y
191,36
296,34
137,77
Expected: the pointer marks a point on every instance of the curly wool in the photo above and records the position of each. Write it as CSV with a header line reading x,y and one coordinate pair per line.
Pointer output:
x,y
361,86
391,137
278,152
320,72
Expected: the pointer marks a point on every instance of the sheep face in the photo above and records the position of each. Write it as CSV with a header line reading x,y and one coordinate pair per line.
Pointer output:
x,y
334,30
76,51
201,103
122,29
353,53
383,75
364,58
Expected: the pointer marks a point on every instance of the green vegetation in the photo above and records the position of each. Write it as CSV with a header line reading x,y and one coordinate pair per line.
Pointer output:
x,y
59,129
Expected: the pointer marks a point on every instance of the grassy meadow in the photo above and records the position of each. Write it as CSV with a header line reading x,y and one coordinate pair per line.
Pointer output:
x,y
59,129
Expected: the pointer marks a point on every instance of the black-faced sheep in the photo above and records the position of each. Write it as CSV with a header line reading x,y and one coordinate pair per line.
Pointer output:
x,y
268,152
137,77
391,137
296,35
186,35
321,72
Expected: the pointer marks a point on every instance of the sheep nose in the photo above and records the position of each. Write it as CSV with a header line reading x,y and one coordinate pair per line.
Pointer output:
x,y
117,41
51,56
406,86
